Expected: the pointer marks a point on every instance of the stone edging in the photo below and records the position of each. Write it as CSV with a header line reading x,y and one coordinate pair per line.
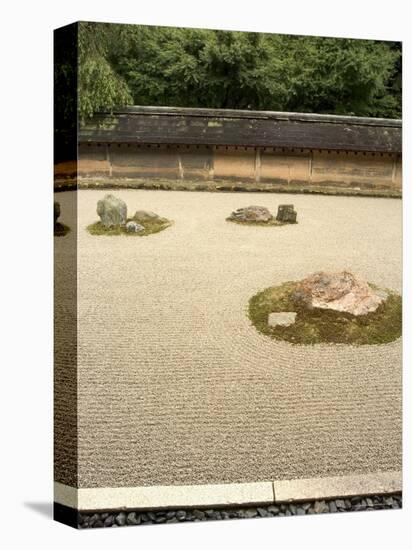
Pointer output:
x,y
230,494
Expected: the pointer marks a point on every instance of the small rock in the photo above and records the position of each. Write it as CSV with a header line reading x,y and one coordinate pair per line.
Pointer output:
x,y
98,523
286,213
151,516
56,211
112,211
283,319
108,522
181,515
170,514
332,507
293,509
93,519
199,514
134,227
160,519
300,511
340,503
250,513
273,509
263,513
133,519
320,507
121,519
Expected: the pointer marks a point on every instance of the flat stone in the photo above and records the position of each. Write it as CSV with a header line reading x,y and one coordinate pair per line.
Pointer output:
x,y
145,215
284,318
252,214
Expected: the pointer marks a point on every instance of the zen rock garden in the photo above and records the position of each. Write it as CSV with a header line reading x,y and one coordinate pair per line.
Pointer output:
x,y
328,307
114,221
60,229
260,215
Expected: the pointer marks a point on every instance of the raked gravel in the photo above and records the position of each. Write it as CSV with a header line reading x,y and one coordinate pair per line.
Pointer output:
x,y
175,384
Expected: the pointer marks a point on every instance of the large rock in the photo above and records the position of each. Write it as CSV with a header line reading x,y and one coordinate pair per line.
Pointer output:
x,y
251,214
340,291
286,213
112,211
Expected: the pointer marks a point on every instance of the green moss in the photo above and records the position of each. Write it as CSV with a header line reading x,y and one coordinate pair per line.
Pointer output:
x,y
271,222
314,326
150,227
60,230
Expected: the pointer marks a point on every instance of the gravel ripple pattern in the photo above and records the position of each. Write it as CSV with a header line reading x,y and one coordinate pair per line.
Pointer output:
x,y
176,386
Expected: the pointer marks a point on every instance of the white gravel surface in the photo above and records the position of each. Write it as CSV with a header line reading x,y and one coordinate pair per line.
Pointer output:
x,y
175,384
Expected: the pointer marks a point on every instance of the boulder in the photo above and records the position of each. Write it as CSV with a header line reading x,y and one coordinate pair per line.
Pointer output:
x,y
284,319
56,212
112,211
134,227
251,214
286,213
340,291
145,215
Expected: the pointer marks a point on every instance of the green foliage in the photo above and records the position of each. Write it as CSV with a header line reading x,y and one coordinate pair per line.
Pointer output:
x,y
122,64
314,326
100,87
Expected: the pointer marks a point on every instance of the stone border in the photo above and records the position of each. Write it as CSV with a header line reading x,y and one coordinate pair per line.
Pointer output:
x,y
230,494
111,518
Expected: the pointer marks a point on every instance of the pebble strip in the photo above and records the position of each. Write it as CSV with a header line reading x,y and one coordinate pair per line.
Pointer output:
x,y
353,504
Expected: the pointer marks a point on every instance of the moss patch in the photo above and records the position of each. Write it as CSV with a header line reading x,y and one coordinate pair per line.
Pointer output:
x,y
258,223
150,227
315,326
60,230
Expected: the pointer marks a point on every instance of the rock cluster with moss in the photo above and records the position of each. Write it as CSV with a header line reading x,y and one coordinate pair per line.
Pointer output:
x,y
114,221
60,229
328,308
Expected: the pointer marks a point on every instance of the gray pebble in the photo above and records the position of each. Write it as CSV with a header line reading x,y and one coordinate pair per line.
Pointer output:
x,y
121,519
133,519
181,515
332,507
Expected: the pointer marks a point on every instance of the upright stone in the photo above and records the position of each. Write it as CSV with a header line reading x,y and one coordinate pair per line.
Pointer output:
x,y
286,213
56,212
112,211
